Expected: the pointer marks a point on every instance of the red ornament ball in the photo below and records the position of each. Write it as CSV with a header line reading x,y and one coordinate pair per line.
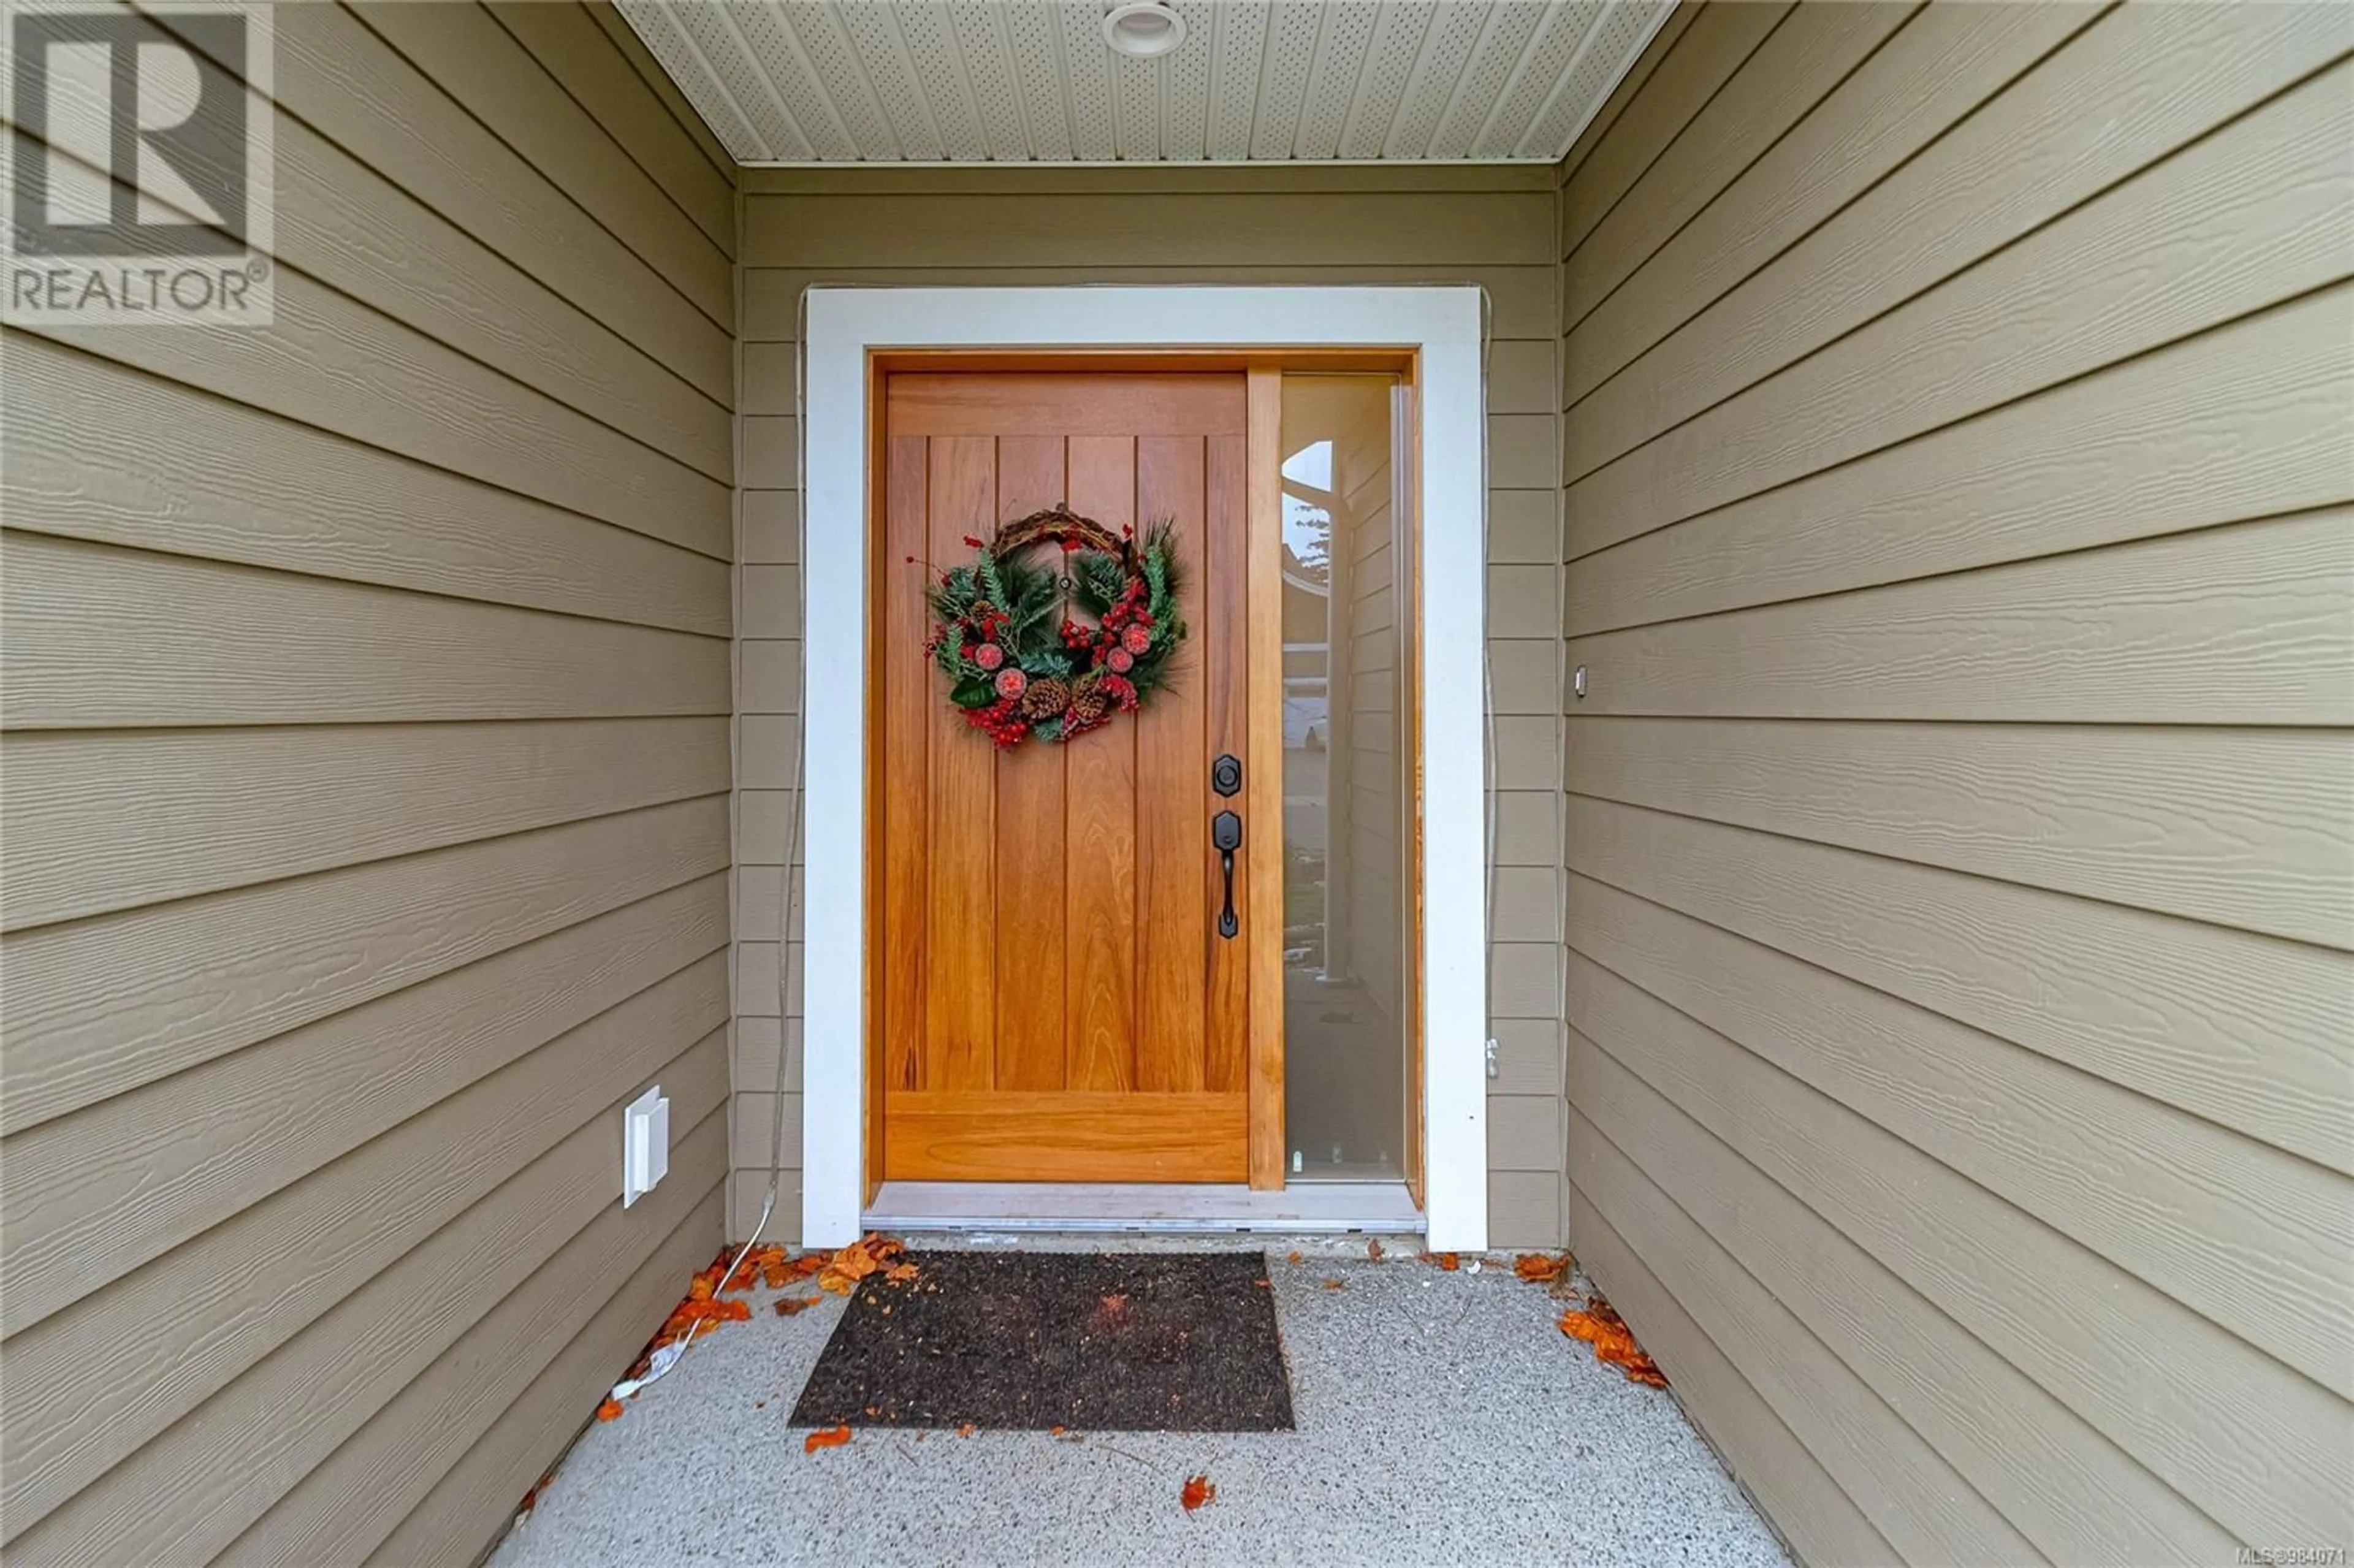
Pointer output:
x,y
1010,684
1119,661
989,655
1135,638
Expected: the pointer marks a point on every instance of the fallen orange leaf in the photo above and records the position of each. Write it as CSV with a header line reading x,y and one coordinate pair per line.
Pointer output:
x,y
1446,1260
789,1305
1373,1250
608,1411
1336,1284
1293,1259
1541,1268
1197,1491
825,1437
1614,1343
965,1430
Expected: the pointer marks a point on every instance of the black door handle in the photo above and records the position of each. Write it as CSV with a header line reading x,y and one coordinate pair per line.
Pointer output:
x,y
1227,836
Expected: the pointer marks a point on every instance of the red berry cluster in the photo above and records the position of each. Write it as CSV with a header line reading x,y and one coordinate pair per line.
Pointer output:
x,y
1002,721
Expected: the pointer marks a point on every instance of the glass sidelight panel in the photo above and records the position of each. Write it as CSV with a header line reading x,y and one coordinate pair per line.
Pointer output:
x,y
1348,796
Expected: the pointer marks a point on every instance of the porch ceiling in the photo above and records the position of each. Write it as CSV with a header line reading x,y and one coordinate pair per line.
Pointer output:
x,y
911,81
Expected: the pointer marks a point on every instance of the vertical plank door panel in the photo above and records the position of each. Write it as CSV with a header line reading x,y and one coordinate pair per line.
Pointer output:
x,y
907,719
961,940
1030,824
1102,823
1173,826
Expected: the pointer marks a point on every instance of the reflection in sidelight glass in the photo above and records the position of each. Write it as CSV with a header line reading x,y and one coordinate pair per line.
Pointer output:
x,y
1347,778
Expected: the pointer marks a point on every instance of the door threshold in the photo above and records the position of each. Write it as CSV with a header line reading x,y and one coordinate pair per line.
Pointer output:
x,y
1337,1206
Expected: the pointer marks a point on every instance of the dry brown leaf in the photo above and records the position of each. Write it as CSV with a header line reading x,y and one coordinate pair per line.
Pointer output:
x,y
1373,1250
1294,1259
1197,1491
1614,1343
965,1430
788,1306
825,1437
1336,1284
1541,1268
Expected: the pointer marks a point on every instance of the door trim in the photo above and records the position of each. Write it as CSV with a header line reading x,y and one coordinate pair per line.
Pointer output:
x,y
848,334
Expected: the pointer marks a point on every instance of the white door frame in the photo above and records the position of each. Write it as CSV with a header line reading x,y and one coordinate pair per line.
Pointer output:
x,y
841,328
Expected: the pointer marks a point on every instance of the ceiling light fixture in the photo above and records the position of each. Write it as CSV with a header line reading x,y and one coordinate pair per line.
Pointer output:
x,y
1143,29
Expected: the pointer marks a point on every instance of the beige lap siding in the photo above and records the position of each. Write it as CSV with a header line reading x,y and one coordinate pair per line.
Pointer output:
x,y
977,227
1959,537
366,833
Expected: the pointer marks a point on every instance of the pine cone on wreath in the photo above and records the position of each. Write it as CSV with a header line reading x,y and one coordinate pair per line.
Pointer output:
x,y
1043,698
1090,702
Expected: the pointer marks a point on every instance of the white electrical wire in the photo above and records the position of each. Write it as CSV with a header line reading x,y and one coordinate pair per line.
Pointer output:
x,y
669,1356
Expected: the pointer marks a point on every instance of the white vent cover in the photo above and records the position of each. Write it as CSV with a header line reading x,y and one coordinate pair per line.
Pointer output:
x,y
828,81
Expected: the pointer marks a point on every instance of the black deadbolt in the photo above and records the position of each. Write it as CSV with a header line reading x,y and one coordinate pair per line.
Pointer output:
x,y
1227,775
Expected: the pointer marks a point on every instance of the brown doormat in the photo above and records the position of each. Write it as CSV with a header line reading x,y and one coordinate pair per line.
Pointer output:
x,y
1090,1342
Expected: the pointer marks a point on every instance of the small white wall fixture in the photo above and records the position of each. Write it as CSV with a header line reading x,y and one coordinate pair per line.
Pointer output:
x,y
1442,324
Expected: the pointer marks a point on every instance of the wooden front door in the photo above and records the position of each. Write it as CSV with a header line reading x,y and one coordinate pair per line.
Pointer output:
x,y
1055,1002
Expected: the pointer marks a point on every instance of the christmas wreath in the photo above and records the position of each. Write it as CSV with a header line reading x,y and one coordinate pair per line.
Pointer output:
x,y
1019,662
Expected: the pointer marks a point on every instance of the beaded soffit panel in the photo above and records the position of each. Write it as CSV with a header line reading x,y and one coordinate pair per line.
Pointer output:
x,y
1036,81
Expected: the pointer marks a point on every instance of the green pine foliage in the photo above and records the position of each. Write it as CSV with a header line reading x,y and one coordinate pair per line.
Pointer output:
x,y
1031,598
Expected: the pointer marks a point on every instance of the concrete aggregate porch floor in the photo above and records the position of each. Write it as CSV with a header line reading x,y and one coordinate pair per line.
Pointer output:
x,y
1442,1419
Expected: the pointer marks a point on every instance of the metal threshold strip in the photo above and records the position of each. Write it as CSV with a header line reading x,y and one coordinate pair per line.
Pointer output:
x,y
1384,1207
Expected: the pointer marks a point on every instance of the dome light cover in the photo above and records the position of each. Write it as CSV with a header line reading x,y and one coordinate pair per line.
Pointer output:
x,y
1143,29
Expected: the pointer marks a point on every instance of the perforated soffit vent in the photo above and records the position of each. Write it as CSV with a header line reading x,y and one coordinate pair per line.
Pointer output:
x,y
1033,81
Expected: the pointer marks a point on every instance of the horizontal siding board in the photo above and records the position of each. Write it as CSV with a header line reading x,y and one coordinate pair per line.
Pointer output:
x,y
1703,59
344,224
1816,1519
98,820
344,1508
1522,299
99,451
475,1497
359,92
97,1194
573,52
103,638
2236,222
1435,229
2245,1031
97,1394
334,365
1630,85
2239,1435
480,64
1806,56
1946,61
2059,1482
2247,830
196,979
633,49
286,1416
2245,422
2190,237
2243,625
1912,1495
2155,1191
